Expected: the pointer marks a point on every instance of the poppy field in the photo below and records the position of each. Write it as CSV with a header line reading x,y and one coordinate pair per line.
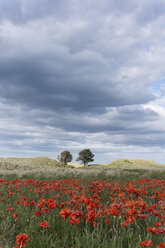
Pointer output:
x,y
79,213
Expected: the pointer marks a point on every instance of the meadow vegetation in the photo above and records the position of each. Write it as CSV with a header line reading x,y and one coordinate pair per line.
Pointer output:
x,y
45,205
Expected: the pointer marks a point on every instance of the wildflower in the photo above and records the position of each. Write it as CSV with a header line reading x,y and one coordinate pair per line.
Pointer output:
x,y
158,224
22,238
161,245
130,220
114,211
65,212
44,224
147,243
152,230
107,221
10,209
38,213
107,211
124,223
74,219
161,231
45,210
33,203
52,204
90,216
15,216
131,211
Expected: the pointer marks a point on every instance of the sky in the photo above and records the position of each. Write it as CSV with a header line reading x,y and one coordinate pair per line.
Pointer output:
x,y
82,74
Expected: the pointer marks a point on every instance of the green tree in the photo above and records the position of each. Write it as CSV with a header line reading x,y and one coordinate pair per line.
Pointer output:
x,y
85,156
65,157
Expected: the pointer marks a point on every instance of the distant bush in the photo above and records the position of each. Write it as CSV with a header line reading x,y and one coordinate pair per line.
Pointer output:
x,y
128,161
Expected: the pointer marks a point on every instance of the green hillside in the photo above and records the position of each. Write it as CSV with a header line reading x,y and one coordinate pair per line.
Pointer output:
x,y
43,161
136,163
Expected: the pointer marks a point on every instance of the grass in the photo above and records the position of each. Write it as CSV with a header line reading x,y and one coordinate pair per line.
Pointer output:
x,y
43,166
107,182
100,175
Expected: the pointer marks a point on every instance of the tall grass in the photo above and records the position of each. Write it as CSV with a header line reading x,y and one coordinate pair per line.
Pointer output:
x,y
64,234
69,187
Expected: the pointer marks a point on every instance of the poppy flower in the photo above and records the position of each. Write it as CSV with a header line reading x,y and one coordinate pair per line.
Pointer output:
x,y
107,221
65,212
161,245
114,211
147,243
44,224
152,230
15,216
22,239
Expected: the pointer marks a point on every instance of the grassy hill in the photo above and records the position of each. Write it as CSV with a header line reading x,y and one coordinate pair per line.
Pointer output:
x,y
24,162
45,161
50,167
136,163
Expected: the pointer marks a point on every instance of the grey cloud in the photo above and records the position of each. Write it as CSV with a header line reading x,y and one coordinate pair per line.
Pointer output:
x,y
74,83
22,11
71,71
36,132
151,11
119,120
136,113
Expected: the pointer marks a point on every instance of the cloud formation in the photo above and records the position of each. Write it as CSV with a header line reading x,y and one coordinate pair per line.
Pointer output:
x,y
82,74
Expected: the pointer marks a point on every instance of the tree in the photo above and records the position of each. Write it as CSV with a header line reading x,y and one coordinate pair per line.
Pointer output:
x,y
65,157
85,156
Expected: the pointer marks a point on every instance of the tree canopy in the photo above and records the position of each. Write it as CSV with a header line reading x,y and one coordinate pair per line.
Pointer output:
x,y
65,157
85,156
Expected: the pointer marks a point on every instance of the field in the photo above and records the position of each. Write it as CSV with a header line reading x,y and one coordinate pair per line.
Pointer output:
x,y
119,205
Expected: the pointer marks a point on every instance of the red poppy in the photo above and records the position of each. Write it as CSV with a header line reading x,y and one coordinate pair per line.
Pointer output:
x,y
147,243
161,245
114,211
107,221
22,239
52,204
44,224
65,212
15,216
152,230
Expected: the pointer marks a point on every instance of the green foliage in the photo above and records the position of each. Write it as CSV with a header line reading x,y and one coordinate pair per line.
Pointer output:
x,y
85,156
128,161
65,157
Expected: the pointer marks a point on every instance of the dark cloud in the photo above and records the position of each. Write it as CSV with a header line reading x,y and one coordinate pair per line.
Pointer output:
x,y
20,12
152,11
81,73
28,80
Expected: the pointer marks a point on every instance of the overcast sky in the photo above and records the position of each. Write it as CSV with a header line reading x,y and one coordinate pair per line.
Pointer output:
x,y
82,74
